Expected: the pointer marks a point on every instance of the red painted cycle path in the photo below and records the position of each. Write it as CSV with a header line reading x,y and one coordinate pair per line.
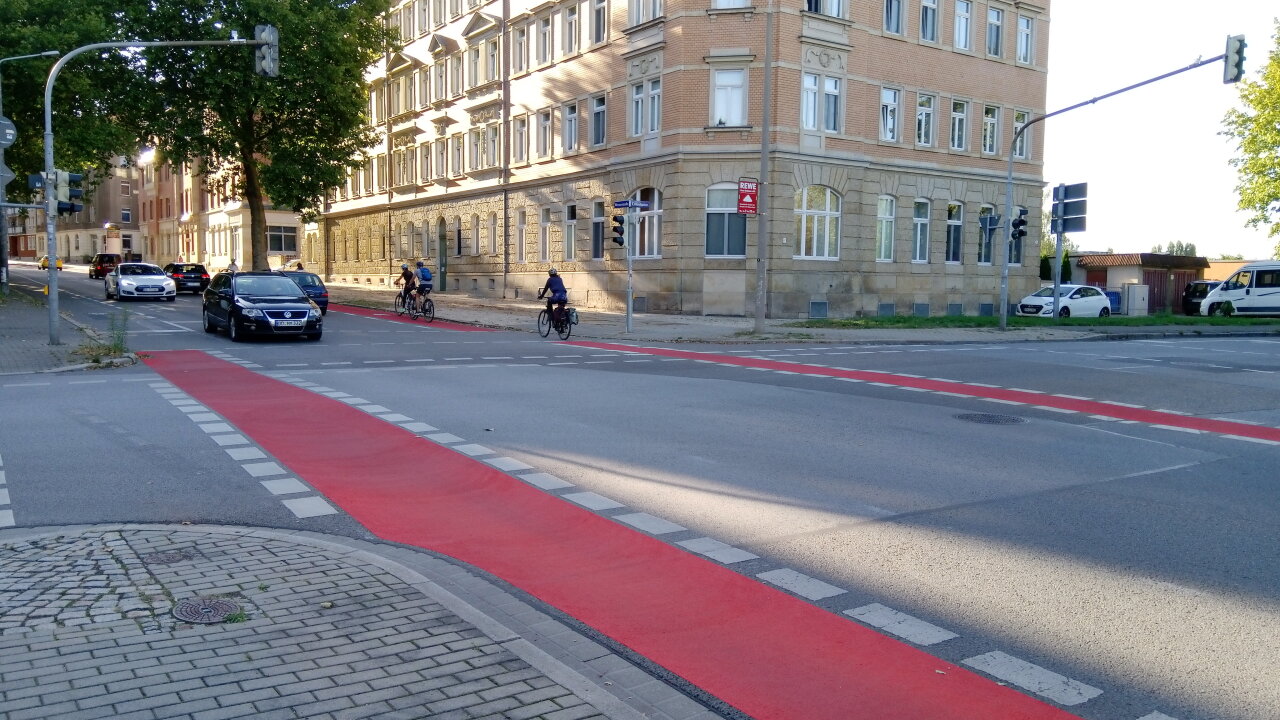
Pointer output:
x,y
1091,407
390,315
765,652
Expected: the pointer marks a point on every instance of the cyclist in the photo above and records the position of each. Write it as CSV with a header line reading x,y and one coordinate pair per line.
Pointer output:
x,y
424,281
559,296
410,280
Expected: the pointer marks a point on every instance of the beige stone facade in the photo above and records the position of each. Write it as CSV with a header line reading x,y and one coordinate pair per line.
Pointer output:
x,y
510,129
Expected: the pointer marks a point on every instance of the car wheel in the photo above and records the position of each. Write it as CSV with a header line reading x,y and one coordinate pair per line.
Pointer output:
x,y
1213,309
324,311
171,298
209,325
314,336
1104,312
106,290
1064,312
232,331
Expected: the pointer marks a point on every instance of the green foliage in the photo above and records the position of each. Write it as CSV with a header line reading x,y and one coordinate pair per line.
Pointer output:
x,y
1224,256
1256,130
1176,247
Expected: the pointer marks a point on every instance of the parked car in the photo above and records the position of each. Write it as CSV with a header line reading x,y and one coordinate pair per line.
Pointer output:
x,y
139,280
44,262
188,276
1193,293
259,303
102,264
1080,300
1254,289
313,286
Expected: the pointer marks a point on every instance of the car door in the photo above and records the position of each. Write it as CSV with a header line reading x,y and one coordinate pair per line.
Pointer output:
x,y
1236,290
217,298
110,281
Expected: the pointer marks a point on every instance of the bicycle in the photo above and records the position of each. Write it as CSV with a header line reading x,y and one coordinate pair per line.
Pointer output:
x,y
422,307
562,321
399,305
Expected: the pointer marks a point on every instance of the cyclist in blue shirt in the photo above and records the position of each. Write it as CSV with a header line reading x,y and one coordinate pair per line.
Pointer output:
x,y
559,296
424,278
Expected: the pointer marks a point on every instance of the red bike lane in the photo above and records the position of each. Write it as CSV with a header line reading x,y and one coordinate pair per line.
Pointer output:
x,y
761,650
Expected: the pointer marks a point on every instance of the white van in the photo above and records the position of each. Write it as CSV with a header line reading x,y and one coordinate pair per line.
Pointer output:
x,y
1253,290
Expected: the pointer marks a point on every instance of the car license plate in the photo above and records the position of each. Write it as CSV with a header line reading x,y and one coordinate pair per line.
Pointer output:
x,y
149,289
289,323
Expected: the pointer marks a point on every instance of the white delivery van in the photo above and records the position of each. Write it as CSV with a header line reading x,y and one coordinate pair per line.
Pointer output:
x,y
1253,290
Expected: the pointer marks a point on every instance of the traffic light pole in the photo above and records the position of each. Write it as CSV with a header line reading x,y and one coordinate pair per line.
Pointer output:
x,y
1008,186
633,220
51,199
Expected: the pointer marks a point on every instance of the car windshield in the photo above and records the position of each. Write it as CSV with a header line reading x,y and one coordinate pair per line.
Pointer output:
x,y
1048,291
1198,290
306,279
141,270
267,286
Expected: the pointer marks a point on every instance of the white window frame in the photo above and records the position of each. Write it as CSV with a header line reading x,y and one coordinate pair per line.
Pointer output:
x,y
1025,53
474,58
986,242
455,74
520,139
542,141
569,127
457,146
492,63
424,16
475,234
522,233
568,233
890,100
990,129
599,21
597,229
959,124
886,209
1021,146
995,32
493,233
519,49
817,228
642,11
926,106
544,235
893,20
646,107
571,30
920,210
543,40
929,21
645,237
962,32
729,97
599,119
954,250
722,200
830,8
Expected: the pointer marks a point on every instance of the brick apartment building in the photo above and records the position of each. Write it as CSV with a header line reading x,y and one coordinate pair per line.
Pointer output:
x,y
106,223
511,127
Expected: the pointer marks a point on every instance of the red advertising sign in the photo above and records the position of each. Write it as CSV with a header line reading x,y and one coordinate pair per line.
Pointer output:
x,y
747,188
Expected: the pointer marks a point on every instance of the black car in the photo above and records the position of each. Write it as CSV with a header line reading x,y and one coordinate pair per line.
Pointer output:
x,y
188,276
1193,293
313,286
259,303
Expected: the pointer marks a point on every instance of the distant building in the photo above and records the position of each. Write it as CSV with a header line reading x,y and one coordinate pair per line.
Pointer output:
x,y
1164,275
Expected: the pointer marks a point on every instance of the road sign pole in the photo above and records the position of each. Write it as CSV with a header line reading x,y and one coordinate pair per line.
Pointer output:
x,y
626,247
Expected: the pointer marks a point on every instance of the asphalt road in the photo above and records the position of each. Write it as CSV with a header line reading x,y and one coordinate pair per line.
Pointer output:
x,y
1132,558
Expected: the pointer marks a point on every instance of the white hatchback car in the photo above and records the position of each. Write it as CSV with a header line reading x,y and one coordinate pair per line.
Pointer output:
x,y
139,280
1078,300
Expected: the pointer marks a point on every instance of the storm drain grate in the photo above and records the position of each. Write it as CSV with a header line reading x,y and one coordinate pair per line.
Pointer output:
x,y
990,419
205,610
166,557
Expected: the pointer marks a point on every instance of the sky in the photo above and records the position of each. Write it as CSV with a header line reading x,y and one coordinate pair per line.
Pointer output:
x,y
1154,161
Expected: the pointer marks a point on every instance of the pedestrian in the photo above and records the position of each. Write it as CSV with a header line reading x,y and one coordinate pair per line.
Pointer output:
x,y
300,268
233,267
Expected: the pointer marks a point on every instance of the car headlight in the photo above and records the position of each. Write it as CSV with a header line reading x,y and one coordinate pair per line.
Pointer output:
x,y
248,310
127,283
313,313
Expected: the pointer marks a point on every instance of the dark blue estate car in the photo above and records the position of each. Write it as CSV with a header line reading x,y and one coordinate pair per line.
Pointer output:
x,y
259,303
313,286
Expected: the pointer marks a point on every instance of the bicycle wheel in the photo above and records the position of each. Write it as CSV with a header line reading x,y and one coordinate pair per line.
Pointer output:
x,y
399,304
544,323
565,327
429,309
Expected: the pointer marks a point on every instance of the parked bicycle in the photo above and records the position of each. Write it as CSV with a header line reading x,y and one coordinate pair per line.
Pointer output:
x,y
561,319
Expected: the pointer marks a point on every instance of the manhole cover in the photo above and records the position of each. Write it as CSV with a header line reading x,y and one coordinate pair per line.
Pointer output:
x,y
206,610
166,557
991,419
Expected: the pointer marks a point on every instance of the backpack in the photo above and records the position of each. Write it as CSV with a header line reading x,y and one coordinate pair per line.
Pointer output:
x,y
424,273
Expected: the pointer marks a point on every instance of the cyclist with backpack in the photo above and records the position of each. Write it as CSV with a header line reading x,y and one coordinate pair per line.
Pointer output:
x,y
410,280
424,279
559,295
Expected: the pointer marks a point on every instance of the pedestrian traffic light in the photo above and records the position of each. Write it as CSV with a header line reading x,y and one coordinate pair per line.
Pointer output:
x,y
1019,225
69,192
620,229
1233,61
36,182
266,58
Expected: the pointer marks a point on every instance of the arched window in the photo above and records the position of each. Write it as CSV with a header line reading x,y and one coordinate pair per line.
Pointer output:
x,y
886,210
442,238
920,231
544,235
457,234
522,225
475,234
817,222
955,231
493,233
646,241
984,237
726,229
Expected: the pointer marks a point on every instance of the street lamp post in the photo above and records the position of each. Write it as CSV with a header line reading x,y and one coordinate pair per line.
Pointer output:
x,y
5,177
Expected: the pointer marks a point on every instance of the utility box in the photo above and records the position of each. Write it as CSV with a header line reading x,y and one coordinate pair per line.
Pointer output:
x,y
1135,300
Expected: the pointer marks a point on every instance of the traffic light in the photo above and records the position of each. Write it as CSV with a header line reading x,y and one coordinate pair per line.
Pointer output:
x,y
620,229
69,192
36,182
1019,225
266,58
1233,61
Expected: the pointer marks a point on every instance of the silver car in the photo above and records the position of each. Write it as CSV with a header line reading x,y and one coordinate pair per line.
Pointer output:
x,y
138,280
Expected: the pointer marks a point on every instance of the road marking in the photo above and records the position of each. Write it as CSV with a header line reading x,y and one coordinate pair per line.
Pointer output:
x,y
649,523
285,486
263,469
1157,716
592,501
718,551
508,464
1033,678
901,624
473,450
307,507
444,438
245,453
545,481
801,584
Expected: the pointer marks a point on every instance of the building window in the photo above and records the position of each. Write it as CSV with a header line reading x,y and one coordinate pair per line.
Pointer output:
x,y
455,74
126,188
491,145
889,114
282,239
995,26
984,237
1026,49
817,223
126,215
646,240
568,231
1021,146
570,30
473,67
424,16
439,72
885,209
491,64
990,129
437,12
475,234
519,49
729,97
726,229
569,127
963,25
543,40
493,233
457,234
597,120
929,20
597,230
646,107
924,120
456,163
920,232
522,230
1015,248
455,8
599,21
834,8
959,124
442,158
544,236
520,139
893,16
955,231
542,144
424,157
424,87
644,10
477,149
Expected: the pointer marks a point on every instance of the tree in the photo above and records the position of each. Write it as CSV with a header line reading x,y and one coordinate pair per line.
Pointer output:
x,y
1177,247
1256,130
290,138
1225,256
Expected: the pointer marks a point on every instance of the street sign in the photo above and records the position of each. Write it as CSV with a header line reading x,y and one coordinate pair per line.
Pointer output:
x,y
6,174
1069,206
639,204
8,133
748,189
1079,191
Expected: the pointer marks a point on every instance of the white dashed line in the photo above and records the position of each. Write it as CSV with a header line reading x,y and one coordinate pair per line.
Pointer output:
x,y
263,469
649,523
285,486
1033,678
245,453
901,624
309,507
444,438
801,584
718,551
545,481
473,450
508,464
592,501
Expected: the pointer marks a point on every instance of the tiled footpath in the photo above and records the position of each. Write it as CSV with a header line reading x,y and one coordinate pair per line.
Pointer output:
x,y
302,626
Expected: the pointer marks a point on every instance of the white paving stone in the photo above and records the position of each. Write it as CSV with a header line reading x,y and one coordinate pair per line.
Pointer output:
x,y
306,507
444,438
649,523
473,450
245,453
545,481
718,551
212,428
233,439
901,624
263,469
394,417
592,501
1033,678
801,584
418,427
508,464
285,486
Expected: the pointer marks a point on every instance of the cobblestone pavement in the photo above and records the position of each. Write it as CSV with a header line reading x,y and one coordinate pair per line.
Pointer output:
x,y
272,624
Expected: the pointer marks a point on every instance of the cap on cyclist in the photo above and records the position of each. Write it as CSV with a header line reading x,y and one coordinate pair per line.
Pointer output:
x,y
404,266
419,263
553,271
